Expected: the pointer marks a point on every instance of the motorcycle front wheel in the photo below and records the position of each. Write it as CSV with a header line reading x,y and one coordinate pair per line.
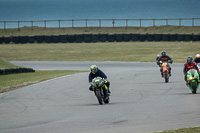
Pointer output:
x,y
194,87
99,97
166,77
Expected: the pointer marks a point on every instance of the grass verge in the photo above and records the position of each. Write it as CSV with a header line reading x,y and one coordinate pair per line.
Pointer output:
x,y
13,81
4,64
183,130
115,51
28,31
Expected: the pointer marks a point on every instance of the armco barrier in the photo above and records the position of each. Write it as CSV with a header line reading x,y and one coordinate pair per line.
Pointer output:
x,y
99,38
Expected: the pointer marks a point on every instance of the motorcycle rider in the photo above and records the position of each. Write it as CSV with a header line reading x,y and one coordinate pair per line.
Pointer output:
x,y
96,72
197,59
190,64
165,58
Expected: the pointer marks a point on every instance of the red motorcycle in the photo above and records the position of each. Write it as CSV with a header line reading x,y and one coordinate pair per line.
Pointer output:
x,y
165,71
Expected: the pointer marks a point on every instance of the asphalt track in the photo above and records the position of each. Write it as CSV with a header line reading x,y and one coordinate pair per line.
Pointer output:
x,y
141,102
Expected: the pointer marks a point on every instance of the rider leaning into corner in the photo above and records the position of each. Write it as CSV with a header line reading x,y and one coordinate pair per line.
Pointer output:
x,y
165,58
190,64
96,72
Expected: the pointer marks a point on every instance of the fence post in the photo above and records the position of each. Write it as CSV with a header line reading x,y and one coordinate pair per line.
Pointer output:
x,y
100,23
45,24
166,22
59,23
32,24
72,23
113,23
4,25
18,25
192,22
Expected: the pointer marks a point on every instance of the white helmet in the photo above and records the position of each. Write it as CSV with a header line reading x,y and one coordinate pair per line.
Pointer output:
x,y
198,56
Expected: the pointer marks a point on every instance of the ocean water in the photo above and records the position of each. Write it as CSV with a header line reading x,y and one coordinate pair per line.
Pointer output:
x,y
35,10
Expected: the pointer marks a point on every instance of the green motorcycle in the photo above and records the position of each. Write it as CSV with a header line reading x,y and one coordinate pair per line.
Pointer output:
x,y
193,80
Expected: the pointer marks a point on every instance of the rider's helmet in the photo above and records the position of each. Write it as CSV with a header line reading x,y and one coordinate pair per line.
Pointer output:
x,y
163,53
189,59
94,69
198,56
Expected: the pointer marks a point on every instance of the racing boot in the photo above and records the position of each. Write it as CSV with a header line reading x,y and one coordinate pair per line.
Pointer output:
x,y
109,91
187,83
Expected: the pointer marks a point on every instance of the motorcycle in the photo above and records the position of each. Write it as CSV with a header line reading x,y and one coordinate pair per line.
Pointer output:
x,y
165,71
193,80
98,85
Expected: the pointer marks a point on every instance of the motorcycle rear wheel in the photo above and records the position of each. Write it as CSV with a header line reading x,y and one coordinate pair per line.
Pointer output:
x,y
107,100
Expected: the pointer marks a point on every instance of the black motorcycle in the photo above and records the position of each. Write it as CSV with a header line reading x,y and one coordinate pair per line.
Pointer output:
x,y
99,87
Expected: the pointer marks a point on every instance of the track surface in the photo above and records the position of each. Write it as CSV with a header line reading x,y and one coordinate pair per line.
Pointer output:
x,y
140,101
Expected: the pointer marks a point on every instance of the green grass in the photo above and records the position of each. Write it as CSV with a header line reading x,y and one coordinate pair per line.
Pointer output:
x,y
28,31
13,81
5,64
116,51
183,130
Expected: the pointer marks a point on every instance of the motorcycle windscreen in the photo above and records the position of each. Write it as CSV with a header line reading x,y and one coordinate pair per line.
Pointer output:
x,y
192,71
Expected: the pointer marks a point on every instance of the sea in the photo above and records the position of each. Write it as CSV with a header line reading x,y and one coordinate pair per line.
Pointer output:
x,y
92,13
